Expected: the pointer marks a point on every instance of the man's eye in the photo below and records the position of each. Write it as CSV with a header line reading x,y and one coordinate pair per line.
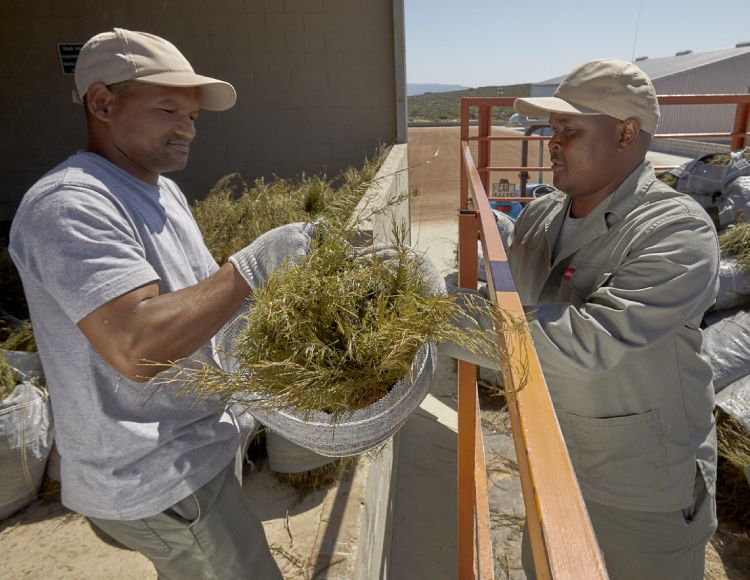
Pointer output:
x,y
170,111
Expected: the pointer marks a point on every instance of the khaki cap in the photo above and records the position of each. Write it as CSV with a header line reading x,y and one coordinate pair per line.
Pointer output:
x,y
123,55
607,86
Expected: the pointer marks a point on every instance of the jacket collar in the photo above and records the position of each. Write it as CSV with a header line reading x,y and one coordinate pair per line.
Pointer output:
x,y
614,208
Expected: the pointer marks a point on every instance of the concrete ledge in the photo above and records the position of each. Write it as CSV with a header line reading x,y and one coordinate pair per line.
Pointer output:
x,y
688,147
376,517
391,180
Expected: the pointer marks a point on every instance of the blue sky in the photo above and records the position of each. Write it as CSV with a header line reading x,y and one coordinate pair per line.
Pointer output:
x,y
483,42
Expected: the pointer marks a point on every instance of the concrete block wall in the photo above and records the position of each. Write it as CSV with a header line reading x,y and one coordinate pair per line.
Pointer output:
x,y
688,147
316,83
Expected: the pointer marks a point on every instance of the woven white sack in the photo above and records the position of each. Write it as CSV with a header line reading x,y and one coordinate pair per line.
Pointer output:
x,y
351,433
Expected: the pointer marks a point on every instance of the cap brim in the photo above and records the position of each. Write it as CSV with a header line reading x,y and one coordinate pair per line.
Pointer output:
x,y
215,95
547,105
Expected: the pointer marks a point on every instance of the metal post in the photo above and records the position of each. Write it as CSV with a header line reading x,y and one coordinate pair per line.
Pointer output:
x,y
741,117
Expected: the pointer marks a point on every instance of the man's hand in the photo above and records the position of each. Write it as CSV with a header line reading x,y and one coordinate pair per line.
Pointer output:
x,y
257,261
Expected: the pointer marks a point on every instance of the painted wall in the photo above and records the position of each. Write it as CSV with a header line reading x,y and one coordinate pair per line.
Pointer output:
x,y
317,83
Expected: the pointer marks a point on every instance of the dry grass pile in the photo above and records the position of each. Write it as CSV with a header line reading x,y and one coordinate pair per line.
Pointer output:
x,y
733,491
233,215
334,333
7,378
337,331
735,241
668,178
20,338
320,477
714,159
723,158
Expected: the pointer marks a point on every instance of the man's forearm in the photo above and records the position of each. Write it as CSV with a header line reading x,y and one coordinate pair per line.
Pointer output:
x,y
144,327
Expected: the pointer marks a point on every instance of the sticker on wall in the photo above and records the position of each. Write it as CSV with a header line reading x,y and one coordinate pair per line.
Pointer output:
x,y
68,53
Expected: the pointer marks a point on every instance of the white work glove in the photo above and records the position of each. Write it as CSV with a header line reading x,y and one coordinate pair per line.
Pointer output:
x,y
257,261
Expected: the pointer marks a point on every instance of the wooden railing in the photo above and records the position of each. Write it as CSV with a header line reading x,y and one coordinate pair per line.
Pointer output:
x,y
562,540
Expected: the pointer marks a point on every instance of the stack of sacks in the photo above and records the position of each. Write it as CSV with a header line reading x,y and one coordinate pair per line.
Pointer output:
x,y
26,431
719,182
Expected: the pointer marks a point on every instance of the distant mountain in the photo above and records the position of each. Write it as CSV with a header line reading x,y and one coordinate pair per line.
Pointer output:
x,y
413,89
447,106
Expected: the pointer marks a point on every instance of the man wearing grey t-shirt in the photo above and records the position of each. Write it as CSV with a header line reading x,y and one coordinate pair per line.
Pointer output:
x,y
116,274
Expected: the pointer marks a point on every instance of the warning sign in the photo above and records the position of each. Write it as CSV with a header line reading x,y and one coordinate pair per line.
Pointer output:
x,y
68,53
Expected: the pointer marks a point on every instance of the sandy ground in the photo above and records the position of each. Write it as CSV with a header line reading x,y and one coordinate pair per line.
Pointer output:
x,y
310,535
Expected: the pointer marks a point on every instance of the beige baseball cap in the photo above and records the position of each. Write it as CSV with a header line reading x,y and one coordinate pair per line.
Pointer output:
x,y
122,55
607,86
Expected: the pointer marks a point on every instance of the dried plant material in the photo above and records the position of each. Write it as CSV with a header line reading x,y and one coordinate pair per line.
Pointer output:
x,y
723,158
232,216
7,378
668,178
733,490
735,241
320,477
19,338
334,333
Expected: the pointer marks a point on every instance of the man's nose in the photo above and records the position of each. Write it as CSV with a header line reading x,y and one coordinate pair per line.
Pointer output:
x,y
554,142
186,128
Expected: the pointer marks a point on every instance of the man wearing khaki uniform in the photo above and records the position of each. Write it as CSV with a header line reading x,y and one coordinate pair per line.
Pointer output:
x,y
616,270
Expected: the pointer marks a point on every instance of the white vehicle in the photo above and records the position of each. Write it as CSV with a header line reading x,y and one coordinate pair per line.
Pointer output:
x,y
519,120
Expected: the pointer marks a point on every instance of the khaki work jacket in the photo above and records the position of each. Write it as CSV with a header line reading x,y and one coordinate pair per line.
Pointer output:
x,y
615,319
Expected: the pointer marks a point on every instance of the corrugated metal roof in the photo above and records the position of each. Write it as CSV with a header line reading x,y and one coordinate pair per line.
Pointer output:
x,y
657,68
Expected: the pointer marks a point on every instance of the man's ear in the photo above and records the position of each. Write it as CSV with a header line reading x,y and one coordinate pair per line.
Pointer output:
x,y
99,100
629,130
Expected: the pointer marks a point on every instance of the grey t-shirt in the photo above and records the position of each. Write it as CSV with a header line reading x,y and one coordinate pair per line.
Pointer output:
x,y
85,233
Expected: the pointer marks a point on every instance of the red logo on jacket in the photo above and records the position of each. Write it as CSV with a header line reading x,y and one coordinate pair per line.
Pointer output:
x,y
568,274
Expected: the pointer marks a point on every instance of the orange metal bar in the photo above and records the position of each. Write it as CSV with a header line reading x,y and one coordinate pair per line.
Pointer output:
x,y
709,136
511,138
484,559
485,128
464,192
509,199
729,99
467,417
739,134
482,170
657,136
467,394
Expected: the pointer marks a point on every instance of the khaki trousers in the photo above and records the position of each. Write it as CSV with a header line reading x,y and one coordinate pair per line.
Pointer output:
x,y
210,535
650,545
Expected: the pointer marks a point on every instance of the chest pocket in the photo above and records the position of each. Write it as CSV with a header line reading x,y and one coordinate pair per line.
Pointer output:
x,y
584,279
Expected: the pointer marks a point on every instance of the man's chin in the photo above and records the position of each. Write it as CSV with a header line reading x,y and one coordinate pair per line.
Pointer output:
x,y
175,165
